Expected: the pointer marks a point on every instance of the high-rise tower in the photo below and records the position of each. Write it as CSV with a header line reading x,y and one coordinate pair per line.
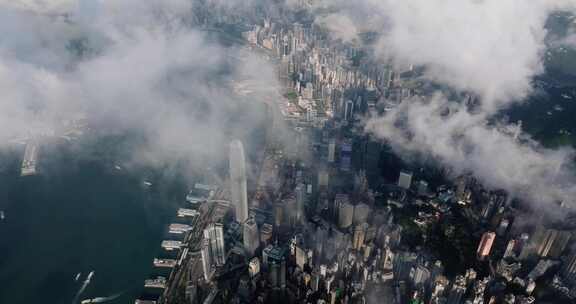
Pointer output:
x,y
213,250
238,181
214,233
251,236
485,245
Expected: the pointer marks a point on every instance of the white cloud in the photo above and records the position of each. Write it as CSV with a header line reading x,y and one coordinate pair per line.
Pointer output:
x,y
41,6
340,27
144,70
490,48
480,46
466,143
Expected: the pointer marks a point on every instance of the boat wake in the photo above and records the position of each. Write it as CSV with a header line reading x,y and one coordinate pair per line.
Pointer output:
x,y
83,287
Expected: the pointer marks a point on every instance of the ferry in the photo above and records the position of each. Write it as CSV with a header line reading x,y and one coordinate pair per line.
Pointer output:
x,y
171,245
95,300
159,282
183,212
167,263
193,199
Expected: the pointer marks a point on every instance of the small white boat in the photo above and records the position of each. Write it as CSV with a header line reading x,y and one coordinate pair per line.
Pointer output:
x,y
77,276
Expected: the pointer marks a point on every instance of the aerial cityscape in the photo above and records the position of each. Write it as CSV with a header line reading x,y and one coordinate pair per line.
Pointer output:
x,y
287,151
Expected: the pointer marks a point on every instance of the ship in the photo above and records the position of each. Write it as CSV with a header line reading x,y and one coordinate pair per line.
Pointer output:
x,y
89,277
95,300
101,299
2,215
171,245
167,263
138,301
159,282
183,212
194,199
77,276
179,228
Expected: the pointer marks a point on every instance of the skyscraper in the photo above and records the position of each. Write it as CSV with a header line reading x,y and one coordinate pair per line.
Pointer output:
x,y
485,245
332,150
266,233
422,187
457,292
359,236
420,275
206,259
254,267
212,250
345,214
300,193
273,259
361,213
405,179
552,243
349,110
214,234
238,191
251,236
569,271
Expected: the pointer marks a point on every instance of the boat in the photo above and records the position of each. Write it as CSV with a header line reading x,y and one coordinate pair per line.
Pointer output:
x,y
2,215
77,276
95,300
159,282
194,199
101,299
166,263
89,277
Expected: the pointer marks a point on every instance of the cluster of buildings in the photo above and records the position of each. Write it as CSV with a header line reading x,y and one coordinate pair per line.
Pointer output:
x,y
341,221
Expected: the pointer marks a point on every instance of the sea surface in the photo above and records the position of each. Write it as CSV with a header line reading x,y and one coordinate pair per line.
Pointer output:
x,y
77,216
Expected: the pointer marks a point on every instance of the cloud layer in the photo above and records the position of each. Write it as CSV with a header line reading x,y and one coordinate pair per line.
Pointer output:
x,y
482,48
128,66
490,49
467,143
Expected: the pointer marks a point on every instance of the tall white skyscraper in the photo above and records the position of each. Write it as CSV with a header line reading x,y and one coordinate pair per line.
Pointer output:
x,y
238,180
